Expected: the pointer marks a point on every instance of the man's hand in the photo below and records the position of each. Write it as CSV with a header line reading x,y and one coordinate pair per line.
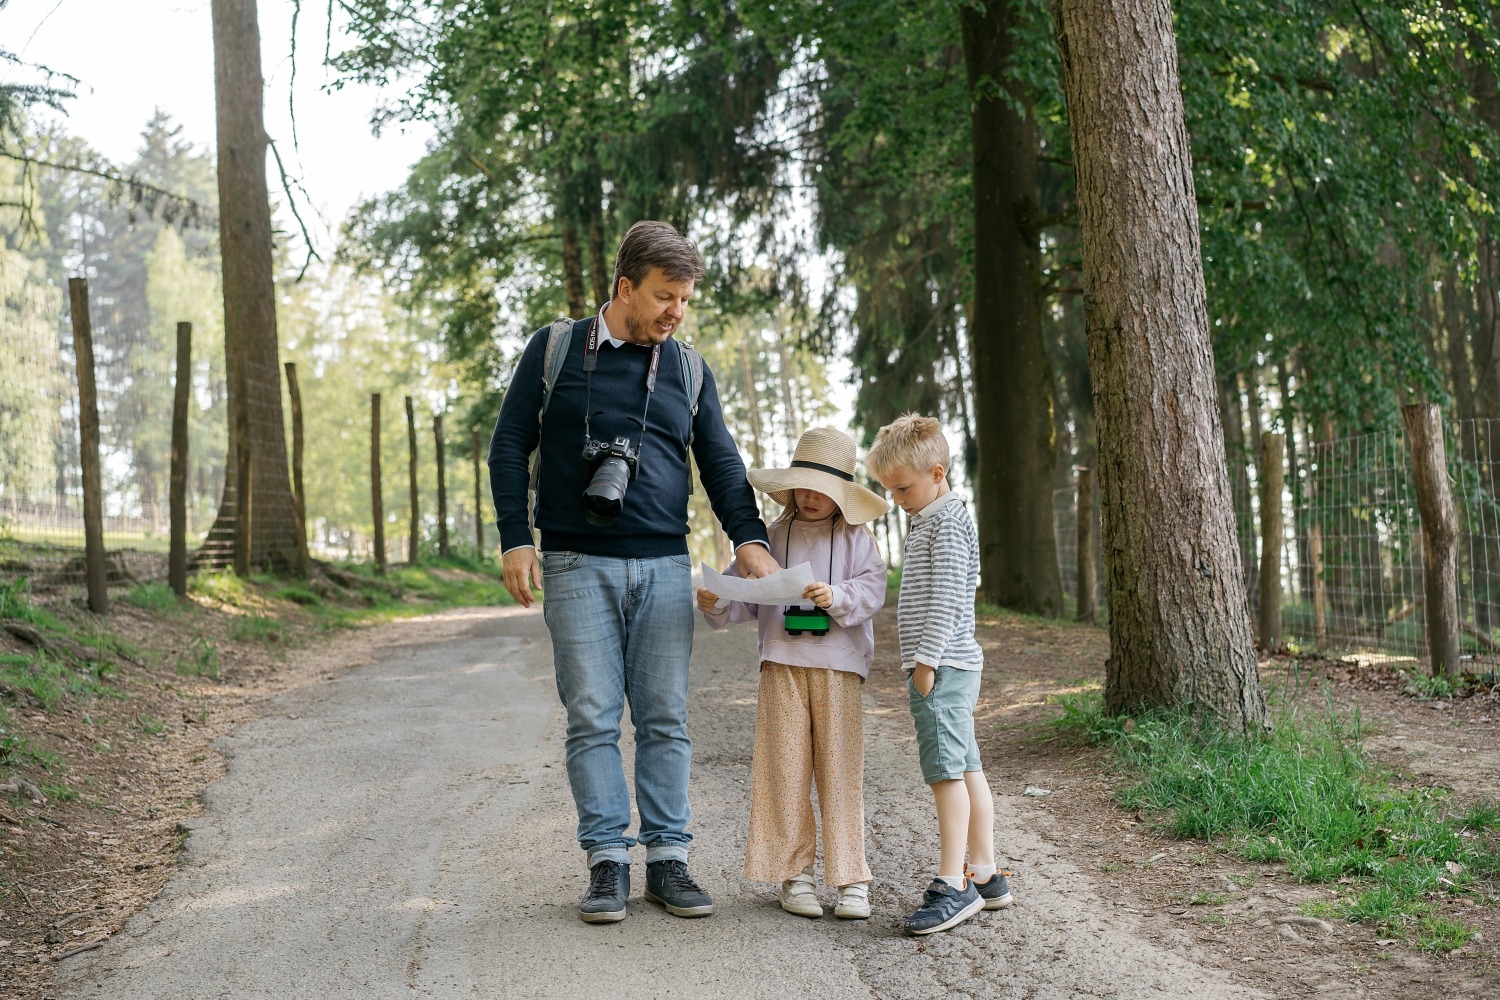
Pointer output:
x,y
923,678
755,561
820,594
522,572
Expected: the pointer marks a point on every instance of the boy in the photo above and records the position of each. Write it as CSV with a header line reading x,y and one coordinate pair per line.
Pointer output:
x,y
942,660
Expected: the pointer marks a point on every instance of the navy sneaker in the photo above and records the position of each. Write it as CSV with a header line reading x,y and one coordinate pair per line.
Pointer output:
x,y
944,906
668,883
609,886
995,892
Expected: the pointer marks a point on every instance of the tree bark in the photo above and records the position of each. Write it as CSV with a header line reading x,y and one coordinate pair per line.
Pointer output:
x,y
181,397
249,285
1236,454
1178,616
1424,432
414,534
572,263
377,500
95,565
1272,481
1013,380
299,494
442,484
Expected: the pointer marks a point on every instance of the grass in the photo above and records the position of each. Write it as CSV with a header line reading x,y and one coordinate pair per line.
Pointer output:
x,y
257,628
158,598
202,659
48,681
1308,796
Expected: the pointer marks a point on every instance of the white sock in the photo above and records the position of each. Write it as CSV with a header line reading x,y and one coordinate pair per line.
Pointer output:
x,y
982,873
957,881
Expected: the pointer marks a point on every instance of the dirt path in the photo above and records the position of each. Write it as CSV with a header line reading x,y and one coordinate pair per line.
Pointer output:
x,y
406,830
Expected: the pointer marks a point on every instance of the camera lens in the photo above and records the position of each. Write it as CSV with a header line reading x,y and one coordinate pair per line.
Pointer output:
x,y
605,496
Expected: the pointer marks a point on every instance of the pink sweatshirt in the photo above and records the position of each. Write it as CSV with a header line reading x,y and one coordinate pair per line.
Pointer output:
x,y
858,581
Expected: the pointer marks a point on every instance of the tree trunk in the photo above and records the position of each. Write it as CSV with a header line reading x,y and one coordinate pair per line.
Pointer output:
x,y
1179,624
249,285
1013,404
442,484
1237,455
414,500
572,263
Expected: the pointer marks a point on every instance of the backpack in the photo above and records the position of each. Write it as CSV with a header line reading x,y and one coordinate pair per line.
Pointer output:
x,y
556,356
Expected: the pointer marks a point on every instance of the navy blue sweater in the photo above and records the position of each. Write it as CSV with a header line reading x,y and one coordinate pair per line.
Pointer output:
x,y
654,519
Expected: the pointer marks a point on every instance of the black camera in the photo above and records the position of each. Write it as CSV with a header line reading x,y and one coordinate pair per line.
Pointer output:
x,y
605,496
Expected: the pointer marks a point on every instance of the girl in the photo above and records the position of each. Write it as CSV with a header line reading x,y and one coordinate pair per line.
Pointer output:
x,y
813,660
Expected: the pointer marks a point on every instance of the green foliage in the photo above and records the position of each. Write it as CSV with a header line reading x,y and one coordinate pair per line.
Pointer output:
x,y
151,726
202,659
257,628
298,594
224,587
11,744
46,680
1307,795
155,597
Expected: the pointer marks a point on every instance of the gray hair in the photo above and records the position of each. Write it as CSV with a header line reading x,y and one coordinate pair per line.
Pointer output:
x,y
656,244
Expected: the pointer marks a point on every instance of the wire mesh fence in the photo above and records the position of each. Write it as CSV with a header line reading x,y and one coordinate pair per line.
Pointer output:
x,y
42,524
41,480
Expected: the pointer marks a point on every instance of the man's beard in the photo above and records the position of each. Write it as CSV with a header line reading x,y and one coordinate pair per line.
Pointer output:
x,y
638,332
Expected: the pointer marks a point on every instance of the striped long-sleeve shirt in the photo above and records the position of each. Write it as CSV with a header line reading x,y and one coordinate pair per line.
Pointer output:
x,y
940,574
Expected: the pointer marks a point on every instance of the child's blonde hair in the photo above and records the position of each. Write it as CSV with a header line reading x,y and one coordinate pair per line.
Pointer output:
x,y
908,442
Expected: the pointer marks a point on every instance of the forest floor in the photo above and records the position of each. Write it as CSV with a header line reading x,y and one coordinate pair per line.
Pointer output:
x,y
123,762
1198,896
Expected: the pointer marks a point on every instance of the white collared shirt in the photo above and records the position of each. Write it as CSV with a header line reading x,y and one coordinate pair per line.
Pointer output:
x,y
605,337
938,504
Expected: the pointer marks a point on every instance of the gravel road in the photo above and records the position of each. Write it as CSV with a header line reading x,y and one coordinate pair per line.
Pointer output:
x,y
405,830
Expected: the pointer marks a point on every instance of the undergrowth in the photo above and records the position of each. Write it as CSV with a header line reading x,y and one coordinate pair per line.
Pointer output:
x,y
1306,794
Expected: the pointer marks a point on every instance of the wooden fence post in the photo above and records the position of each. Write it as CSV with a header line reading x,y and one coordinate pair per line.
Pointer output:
x,y
377,503
414,539
1088,578
478,496
181,395
1272,527
95,571
1424,434
442,484
299,498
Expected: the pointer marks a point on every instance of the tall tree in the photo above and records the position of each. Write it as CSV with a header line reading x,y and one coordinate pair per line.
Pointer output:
x,y
1012,378
1179,619
249,286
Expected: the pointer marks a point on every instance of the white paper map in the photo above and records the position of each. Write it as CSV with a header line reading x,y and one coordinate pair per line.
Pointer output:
x,y
782,587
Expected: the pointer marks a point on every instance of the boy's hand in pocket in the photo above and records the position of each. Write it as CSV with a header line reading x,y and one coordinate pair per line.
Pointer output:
x,y
923,678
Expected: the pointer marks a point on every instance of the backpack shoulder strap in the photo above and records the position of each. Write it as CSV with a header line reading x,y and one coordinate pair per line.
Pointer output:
x,y
559,337
556,356
692,372
692,381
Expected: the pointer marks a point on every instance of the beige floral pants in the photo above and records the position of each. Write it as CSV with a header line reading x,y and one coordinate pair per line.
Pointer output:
x,y
808,728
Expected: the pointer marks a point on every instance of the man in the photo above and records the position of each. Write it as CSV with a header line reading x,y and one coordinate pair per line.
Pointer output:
x,y
617,575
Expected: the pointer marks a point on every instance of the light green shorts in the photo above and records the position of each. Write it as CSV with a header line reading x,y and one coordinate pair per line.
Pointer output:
x,y
945,724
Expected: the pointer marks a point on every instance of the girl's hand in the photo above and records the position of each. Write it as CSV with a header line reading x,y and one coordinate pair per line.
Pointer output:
x,y
706,599
820,594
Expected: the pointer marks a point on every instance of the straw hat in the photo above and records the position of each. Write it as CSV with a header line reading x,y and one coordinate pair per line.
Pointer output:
x,y
823,461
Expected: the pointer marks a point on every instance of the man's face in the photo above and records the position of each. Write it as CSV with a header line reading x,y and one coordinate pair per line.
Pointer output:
x,y
654,308
912,489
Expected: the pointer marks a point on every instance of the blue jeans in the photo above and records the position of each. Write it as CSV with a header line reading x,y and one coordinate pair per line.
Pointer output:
x,y
622,631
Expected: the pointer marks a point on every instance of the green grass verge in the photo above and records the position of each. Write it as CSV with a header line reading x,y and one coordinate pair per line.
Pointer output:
x,y
407,591
1306,794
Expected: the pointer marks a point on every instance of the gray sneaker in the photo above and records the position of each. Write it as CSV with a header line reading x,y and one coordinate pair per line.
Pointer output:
x,y
944,906
609,886
995,892
668,883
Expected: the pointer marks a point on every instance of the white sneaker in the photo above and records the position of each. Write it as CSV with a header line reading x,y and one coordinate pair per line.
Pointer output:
x,y
854,901
799,895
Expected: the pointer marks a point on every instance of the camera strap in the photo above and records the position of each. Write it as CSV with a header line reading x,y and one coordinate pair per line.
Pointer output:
x,y
591,362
